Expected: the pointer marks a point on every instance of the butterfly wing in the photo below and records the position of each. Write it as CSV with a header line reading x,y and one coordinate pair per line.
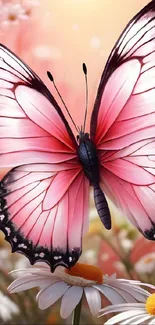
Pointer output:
x,y
123,122
38,198
29,115
43,212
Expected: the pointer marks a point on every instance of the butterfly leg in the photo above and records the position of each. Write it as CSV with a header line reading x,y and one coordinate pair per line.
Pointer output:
x,y
102,207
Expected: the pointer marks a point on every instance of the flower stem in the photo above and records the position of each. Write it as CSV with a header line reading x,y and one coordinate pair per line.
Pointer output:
x,y
77,314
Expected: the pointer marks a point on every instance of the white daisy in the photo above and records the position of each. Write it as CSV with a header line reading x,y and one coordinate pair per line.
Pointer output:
x,y
146,264
7,307
132,313
13,11
71,285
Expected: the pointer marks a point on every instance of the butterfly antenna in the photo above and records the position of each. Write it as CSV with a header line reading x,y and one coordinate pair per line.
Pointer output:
x,y
85,73
52,79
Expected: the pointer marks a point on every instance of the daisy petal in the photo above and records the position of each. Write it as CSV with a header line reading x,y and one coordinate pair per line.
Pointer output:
x,y
94,300
121,307
28,282
135,282
152,322
132,290
110,277
127,296
111,293
148,285
122,316
32,270
50,295
70,300
128,282
22,270
137,286
136,319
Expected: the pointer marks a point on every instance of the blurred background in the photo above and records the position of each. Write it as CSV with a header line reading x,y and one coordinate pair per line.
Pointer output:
x,y
59,36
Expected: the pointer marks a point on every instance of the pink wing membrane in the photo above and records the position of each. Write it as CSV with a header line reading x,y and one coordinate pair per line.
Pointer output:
x,y
44,200
125,132
41,222
30,123
115,96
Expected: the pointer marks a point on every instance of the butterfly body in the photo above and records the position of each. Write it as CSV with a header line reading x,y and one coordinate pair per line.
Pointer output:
x,y
87,154
88,157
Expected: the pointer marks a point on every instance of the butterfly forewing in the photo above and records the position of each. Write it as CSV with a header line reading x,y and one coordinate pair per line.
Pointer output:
x,y
123,122
38,210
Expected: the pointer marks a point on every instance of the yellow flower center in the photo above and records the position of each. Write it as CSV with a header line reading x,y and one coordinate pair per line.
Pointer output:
x,y
150,304
88,272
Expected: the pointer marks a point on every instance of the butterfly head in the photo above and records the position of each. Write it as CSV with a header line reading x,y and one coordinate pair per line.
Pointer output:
x,y
82,136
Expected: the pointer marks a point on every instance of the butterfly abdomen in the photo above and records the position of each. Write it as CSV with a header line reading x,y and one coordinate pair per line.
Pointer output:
x,y
102,207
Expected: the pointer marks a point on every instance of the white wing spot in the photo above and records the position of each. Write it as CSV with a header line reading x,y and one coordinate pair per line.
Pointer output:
x,y
2,217
22,246
70,259
15,239
8,231
41,254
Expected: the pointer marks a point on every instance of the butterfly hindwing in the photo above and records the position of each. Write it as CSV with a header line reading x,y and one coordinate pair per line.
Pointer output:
x,y
43,212
123,122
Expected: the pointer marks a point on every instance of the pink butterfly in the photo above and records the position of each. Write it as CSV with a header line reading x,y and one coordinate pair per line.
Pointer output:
x,y
44,199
